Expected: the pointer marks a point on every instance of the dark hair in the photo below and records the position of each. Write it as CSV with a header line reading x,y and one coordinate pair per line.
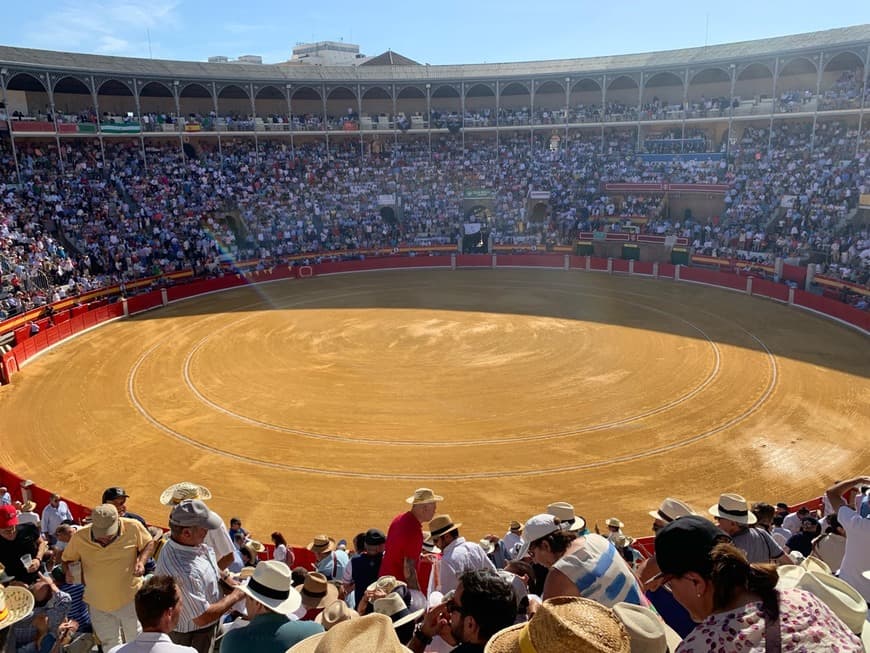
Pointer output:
x,y
731,574
359,542
764,511
778,519
833,524
277,538
154,598
298,575
559,541
521,568
489,599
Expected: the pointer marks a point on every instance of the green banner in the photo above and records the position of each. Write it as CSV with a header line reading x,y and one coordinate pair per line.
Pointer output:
x,y
86,128
478,194
115,128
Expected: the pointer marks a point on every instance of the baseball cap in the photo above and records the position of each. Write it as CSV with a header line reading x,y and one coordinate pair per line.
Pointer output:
x,y
194,513
374,537
8,516
113,493
104,520
685,545
537,527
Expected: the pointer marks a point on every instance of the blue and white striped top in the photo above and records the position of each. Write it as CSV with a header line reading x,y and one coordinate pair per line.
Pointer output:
x,y
600,573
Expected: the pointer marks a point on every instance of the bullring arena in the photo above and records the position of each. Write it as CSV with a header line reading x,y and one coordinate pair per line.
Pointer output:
x,y
604,280
317,403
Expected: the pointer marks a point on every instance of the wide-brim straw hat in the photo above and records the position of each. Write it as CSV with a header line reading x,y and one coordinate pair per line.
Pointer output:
x,y
321,544
735,508
565,512
843,599
395,608
648,633
334,613
423,495
373,633
317,591
385,584
16,604
671,509
565,624
442,524
614,522
488,546
182,491
28,506
271,585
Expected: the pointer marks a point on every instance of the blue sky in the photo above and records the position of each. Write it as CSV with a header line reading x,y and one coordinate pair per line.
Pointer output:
x,y
445,32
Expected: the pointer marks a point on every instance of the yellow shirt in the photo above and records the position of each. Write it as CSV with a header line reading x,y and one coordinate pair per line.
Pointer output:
x,y
107,572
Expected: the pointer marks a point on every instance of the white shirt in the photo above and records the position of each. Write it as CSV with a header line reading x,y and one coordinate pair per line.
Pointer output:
x,y
152,643
28,518
511,540
856,560
792,523
460,556
219,540
53,517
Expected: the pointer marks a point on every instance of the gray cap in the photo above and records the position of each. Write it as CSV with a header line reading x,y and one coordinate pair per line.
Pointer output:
x,y
194,513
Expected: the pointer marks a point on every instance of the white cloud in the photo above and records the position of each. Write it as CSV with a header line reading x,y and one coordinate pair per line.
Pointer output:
x,y
116,27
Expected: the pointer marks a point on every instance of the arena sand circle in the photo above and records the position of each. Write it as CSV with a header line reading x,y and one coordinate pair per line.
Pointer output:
x,y
320,404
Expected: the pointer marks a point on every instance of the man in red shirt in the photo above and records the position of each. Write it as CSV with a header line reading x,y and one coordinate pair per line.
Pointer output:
x,y
405,538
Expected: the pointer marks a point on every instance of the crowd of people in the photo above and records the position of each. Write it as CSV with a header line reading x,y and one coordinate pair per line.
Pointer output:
x,y
733,578
91,213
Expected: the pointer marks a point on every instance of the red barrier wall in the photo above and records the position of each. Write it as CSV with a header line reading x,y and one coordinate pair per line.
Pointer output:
x,y
599,264
794,273
723,279
643,267
139,303
834,308
473,260
620,265
531,260
770,289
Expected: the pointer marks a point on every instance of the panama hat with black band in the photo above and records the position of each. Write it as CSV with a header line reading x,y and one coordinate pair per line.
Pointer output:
x,y
735,508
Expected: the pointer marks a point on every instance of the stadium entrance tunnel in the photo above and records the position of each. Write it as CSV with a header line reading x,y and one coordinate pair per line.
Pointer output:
x,y
190,152
538,212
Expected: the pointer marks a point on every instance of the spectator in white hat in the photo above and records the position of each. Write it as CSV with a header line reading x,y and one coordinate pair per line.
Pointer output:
x,y
734,517
219,538
588,565
269,601
187,558
405,537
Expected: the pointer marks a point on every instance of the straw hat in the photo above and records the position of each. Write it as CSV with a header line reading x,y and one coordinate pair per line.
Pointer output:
x,y
4,577
735,508
321,544
614,522
812,563
28,506
335,613
272,586
16,603
429,544
565,625
373,633
516,527
182,491
621,541
488,546
843,599
671,509
317,592
442,524
423,495
394,607
386,584
648,633
565,512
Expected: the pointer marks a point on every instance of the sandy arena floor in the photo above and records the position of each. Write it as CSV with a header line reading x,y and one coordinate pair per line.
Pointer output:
x,y
319,405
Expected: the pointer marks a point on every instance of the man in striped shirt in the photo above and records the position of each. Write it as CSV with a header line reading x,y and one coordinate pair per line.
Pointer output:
x,y
192,564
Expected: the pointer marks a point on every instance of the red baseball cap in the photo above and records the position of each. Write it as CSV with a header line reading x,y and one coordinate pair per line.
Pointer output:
x,y
8,516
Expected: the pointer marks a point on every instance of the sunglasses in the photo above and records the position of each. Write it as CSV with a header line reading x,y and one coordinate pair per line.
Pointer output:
x,y
453,606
